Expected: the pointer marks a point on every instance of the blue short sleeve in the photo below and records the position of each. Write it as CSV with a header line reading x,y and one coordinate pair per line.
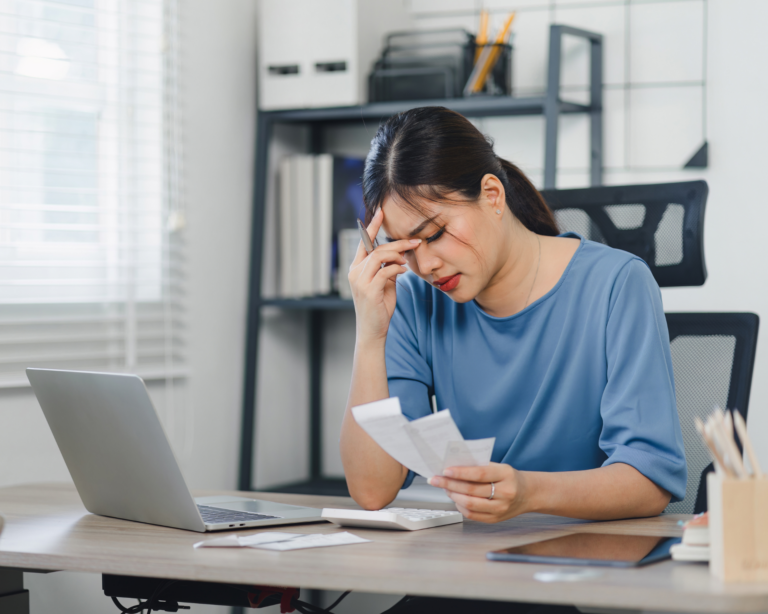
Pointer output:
x,y
641,426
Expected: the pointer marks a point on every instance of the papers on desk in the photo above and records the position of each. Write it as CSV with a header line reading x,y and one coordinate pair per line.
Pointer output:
x,y
282,541
426,446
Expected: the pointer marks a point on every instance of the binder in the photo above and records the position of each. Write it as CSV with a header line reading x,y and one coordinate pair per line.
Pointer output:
x,y
319,197
324,217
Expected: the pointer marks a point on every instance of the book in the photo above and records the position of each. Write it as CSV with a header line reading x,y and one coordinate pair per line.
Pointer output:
x,y
348,207
696,531
304,210
323,262
286,225
319,198
695,543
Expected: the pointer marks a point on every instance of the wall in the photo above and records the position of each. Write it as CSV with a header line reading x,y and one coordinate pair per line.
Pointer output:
x,y
218,98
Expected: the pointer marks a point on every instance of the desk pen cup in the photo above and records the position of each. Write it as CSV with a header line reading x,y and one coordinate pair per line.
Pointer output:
x,y
738,528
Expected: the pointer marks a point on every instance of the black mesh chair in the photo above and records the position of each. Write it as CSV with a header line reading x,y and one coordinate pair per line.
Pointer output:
x,y
663,224
712,353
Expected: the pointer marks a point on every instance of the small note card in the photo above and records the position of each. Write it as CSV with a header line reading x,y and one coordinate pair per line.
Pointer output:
x,y
282,541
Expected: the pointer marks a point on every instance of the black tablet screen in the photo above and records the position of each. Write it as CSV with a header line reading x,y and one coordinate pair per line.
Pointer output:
x,y
591,548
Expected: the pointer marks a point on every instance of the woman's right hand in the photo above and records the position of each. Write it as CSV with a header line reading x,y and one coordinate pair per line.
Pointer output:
x,y
373,286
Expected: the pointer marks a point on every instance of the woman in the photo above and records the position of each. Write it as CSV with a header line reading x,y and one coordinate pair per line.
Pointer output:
x,y
556,346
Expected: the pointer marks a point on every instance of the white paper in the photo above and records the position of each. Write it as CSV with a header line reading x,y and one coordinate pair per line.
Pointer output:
x,y
469,453
431,435
427,445
315,541
385,423
282,541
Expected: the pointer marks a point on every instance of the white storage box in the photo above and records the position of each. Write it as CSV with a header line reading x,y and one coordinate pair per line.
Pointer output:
x,y
318,53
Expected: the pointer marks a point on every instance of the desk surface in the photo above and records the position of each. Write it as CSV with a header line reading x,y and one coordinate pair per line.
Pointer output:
x,y
47,528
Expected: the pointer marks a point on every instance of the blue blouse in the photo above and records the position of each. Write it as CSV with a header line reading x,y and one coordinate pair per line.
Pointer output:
x,y
579,379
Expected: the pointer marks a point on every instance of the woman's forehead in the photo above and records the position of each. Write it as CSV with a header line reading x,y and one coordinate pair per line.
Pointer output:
x,y
400,218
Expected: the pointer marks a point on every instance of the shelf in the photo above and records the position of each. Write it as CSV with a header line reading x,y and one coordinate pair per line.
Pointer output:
x,y
485,106
331,487
315,302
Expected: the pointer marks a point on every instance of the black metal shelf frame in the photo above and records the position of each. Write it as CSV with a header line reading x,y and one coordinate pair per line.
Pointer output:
x,y
550,106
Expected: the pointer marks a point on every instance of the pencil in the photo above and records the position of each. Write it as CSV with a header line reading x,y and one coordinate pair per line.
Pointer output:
x,y
741,429
732,455
719,464
491,55
482,34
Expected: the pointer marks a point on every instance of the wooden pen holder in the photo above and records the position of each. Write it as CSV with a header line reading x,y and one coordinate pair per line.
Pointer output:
x,y
738,528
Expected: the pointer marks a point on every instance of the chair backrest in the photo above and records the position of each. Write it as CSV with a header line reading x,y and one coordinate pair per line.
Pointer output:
x,y
712,356
663,224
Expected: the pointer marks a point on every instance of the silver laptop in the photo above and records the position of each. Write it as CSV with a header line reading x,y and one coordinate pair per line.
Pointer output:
x,y
122,464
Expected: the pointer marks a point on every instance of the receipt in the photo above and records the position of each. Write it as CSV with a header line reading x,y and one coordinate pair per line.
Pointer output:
x,y
282,541
475,452
427,445
385,423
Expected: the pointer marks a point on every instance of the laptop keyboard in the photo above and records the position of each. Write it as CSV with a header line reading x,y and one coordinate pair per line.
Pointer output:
x,y
218,515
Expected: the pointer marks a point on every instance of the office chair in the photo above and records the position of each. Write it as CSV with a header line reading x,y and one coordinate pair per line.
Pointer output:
x,y
712,353
663,224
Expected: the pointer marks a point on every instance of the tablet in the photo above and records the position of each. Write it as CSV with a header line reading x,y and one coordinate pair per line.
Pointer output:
x,y
591,549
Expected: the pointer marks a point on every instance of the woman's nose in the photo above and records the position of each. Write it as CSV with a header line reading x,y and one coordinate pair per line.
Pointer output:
x,y
426,260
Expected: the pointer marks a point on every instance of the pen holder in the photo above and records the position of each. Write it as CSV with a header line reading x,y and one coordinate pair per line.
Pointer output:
x,y
738,528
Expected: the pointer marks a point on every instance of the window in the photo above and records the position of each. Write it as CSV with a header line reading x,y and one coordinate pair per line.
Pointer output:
x,y
91,225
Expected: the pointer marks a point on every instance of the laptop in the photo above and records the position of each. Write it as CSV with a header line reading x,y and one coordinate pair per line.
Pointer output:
x,y
121,461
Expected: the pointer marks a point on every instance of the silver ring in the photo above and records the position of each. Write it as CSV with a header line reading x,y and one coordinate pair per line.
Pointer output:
x,y
493,491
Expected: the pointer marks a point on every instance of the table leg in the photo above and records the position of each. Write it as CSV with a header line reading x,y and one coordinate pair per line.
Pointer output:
x,y
13,598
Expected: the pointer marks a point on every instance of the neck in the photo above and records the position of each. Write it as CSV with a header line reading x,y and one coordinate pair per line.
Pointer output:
x,y
509,288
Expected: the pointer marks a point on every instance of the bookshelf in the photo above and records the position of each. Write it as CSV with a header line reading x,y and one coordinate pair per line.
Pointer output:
x,y
550,105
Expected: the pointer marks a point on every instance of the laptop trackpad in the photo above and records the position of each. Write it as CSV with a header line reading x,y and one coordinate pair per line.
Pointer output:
x,y
255,506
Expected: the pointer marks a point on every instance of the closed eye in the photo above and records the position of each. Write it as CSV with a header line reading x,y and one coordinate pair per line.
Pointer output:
x,y
436,236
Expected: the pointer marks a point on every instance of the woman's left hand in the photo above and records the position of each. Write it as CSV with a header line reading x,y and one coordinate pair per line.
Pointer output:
x,y
470,488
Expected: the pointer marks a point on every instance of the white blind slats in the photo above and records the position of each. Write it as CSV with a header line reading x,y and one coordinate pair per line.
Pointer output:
x,y
142,103
135,9
91,236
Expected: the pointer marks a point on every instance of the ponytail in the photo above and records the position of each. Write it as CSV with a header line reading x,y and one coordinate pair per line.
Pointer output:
x,y
526,202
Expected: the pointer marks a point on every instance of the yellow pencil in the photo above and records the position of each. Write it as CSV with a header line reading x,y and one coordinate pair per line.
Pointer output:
x,y
492,57
482,34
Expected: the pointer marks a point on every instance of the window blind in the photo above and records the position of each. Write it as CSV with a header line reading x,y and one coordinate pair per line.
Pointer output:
x,y
91,220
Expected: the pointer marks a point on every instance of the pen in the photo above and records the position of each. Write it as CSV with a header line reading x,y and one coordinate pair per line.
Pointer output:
x,y
367,243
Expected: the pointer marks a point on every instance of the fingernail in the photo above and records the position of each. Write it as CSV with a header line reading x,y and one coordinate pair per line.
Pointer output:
x,y
415,241
378,212
432,481
448,473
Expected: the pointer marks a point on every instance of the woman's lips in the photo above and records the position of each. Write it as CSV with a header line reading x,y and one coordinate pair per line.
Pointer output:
x,y
446,284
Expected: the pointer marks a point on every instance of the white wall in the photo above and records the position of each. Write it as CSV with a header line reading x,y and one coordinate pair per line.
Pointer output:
x,y
218,99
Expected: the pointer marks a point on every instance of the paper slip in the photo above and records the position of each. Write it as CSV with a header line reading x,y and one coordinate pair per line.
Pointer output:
x,y
282,541
427,445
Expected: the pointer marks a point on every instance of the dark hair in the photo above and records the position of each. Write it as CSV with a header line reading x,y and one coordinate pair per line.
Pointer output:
x,y
431,152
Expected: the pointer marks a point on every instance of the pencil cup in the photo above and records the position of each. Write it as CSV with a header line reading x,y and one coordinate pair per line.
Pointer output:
x,y
738,528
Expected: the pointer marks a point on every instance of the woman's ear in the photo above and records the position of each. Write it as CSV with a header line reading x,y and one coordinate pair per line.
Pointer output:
x,y
492,192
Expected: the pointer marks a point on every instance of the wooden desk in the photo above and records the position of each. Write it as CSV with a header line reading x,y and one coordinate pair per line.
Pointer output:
x,y
47,528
